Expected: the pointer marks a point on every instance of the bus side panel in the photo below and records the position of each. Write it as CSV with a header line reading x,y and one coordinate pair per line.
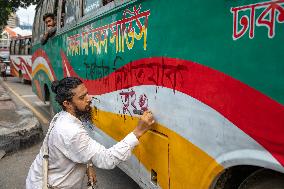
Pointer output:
x,y
217,95
21,66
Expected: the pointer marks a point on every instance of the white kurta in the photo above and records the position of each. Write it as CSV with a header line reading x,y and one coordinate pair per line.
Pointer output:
x,y
70,149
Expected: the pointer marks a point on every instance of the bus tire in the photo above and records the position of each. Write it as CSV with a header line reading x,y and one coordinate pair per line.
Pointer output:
x,y
25,81
263,179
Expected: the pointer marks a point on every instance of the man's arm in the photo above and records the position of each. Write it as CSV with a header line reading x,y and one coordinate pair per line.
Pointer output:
x,y
82,148
50,32
44,39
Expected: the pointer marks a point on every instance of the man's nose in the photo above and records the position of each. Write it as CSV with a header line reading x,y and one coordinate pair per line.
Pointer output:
x,y
89,99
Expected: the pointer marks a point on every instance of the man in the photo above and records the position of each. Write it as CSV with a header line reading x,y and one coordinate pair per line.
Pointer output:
x,y
70,147
49,20
3,68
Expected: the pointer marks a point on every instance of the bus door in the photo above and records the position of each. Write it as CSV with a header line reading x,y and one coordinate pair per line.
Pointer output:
x,y
154,158
28,46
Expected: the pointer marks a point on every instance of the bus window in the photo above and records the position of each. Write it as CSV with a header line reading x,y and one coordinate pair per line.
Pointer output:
x,y
106,2
22,46
17,46
55,7
51,7
41,23
45,6
28,46
71,10
62,15
91,5
12,47
37,20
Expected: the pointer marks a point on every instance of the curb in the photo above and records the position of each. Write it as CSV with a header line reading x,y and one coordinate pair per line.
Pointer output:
x,y
23,132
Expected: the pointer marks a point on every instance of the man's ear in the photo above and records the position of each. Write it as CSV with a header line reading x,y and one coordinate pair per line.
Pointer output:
x,y
66,104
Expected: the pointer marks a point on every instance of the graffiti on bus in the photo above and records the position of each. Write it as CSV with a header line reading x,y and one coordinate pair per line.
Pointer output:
x,y
155,73
132,105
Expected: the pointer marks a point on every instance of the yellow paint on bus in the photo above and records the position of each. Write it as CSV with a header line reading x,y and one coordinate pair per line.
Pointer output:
x,y
177,162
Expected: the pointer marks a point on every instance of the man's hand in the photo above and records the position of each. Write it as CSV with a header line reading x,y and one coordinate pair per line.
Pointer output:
x,y
92,177
145,123
45,35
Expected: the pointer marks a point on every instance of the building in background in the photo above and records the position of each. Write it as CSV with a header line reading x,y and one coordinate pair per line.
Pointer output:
x,y
12,30
6,36
13,21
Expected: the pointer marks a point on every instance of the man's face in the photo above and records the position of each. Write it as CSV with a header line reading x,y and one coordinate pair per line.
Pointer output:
x,y
49,22
81,102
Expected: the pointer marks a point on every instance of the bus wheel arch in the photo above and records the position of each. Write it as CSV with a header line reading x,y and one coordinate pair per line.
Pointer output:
x,y
232,177
263,179
46,93
244,177
22,79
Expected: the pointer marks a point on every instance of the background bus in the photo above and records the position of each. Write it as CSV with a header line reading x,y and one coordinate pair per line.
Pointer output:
x,y
211,73
20,58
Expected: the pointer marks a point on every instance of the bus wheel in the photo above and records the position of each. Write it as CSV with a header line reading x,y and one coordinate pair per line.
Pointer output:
x,y
22,80
25,81
263,179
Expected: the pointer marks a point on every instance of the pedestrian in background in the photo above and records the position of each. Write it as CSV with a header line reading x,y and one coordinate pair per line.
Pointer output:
x,y
68,147
3,68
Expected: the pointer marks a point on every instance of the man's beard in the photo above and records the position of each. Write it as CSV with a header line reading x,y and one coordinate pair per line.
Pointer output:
x,y
83,115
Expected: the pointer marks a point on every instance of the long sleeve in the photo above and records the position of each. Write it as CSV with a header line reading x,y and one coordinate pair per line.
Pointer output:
x,y
45,38
83,149
70,147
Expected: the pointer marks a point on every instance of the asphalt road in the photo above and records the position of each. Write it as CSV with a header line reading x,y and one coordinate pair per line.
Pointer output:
x,y
14,167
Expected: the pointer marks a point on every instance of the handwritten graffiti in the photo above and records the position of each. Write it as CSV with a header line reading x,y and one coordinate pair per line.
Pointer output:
x,y
98,70
130,104
268,17
151,73
155,73
133,26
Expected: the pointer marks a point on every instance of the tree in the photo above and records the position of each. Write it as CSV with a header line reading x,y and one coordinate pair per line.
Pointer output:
x,y
9,6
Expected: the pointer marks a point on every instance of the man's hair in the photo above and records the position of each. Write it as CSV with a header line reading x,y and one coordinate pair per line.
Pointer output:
x,y
46,15
63,89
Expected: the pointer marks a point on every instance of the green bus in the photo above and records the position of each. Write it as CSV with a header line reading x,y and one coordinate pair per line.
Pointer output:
x,y
212,74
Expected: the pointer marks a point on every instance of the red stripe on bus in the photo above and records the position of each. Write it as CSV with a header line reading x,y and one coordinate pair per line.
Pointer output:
x,y
257,115
25,66
42,53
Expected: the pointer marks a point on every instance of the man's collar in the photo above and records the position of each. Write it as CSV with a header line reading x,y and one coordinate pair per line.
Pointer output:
x,y
75,119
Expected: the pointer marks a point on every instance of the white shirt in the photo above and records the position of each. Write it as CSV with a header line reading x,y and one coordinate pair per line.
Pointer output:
x,y
70,149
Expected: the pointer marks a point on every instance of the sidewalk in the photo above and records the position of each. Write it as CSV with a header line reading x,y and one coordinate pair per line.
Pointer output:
x,y
18,126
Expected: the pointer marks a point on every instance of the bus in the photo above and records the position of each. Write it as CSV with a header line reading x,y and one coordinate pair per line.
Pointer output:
x,y
21,58
212,75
